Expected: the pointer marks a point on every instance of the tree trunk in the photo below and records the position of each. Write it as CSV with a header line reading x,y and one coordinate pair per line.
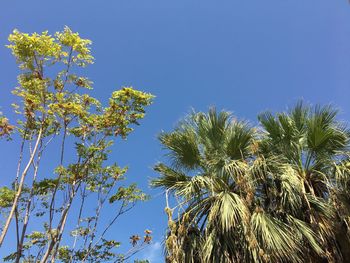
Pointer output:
x,y
19,190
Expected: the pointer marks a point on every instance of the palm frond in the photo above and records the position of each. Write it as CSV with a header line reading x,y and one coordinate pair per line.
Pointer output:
x,y
239,138
305,233
230,210
170,179
212,128
183,147
275,238
290,191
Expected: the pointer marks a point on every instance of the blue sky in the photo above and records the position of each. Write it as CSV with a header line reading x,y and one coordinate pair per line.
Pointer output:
x,y
242,56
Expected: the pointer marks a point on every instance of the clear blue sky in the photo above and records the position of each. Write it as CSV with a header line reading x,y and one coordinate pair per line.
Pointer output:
x,y
243,56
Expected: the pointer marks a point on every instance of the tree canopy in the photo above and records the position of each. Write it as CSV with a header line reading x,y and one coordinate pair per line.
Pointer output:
x,y
55,110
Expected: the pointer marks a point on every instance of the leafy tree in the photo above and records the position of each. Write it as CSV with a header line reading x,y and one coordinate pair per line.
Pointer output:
x,y
55,110
273,193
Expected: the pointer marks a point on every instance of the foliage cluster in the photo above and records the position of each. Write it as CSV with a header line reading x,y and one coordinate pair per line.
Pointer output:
x,y
54,108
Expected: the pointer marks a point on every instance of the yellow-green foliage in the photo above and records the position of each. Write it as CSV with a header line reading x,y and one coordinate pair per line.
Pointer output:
x,y
52,102
6,197
53,98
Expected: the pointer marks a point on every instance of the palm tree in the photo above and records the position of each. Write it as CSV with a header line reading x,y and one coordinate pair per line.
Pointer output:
x,y
316,146
255,194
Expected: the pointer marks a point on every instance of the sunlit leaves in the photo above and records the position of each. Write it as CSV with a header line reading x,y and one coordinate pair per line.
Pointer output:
x,y
130,194
76,43
126,107
29,48
6,197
